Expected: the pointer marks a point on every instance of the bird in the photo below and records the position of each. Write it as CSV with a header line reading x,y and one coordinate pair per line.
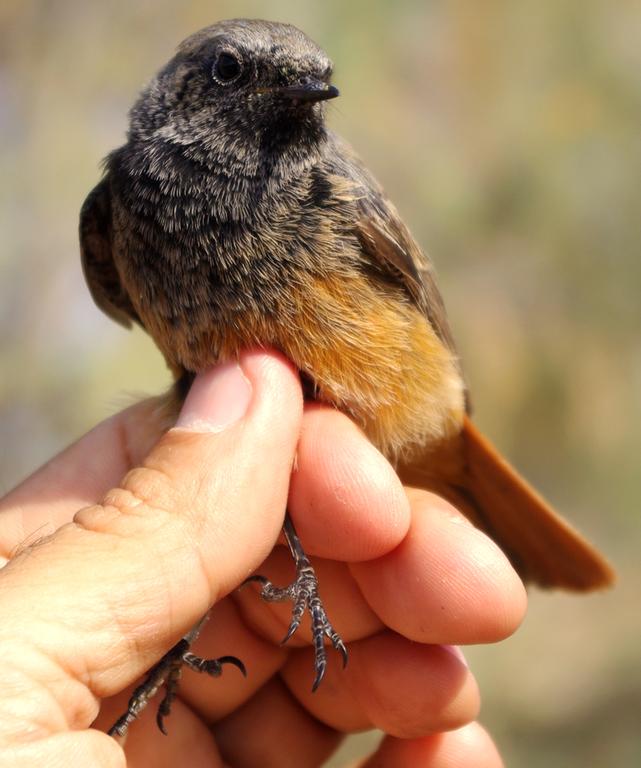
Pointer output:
x,y
233,217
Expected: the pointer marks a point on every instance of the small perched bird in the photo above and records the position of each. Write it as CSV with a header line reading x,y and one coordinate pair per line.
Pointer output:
x,y
231,218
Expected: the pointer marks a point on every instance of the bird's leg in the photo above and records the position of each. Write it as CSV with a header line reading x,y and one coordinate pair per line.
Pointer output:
x,y
167,671
303,592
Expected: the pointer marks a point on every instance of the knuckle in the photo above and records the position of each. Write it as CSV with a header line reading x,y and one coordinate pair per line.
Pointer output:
x,y
147,487
144,494
153,494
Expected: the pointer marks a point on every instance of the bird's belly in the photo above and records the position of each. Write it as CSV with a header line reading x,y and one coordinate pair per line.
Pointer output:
x,y
365,347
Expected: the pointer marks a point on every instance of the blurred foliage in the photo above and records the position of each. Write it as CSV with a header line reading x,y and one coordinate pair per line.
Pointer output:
x,y
509,136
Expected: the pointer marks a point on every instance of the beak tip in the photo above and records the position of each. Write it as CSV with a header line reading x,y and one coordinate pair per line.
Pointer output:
x,y
307,92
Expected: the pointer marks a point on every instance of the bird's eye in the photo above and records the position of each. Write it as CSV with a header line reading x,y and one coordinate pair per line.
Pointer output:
x,y
227,68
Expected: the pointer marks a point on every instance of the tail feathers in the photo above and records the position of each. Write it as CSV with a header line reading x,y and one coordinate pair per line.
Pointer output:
x,y
541,545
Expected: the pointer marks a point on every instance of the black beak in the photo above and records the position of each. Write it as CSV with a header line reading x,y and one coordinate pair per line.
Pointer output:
x,y
312,90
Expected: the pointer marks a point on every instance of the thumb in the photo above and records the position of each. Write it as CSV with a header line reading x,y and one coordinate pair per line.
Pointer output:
x,y
218,481
106,596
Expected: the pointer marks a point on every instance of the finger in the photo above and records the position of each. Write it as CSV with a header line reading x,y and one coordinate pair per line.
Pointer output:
x,y
345,499
468,747
109,594
406,689
446,583
272,729
78,476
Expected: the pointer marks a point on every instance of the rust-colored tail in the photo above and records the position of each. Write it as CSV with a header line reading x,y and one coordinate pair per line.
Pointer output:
x,y
543,547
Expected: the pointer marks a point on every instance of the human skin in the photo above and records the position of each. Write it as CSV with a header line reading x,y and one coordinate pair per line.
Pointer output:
x,y
120,544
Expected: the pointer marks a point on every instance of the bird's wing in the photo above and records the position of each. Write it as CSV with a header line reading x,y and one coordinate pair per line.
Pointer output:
x,y
97,258
386,241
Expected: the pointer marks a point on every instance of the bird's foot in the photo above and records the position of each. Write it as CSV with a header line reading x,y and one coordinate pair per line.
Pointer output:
x,y
167,671
303,592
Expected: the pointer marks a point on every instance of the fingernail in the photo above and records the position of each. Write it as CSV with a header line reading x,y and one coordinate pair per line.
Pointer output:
x,y
217,399
457,653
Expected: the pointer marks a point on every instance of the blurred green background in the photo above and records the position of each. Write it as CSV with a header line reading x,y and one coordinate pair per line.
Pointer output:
x,y
508,133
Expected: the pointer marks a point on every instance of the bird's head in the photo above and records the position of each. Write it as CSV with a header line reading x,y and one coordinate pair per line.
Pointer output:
x,y
244,90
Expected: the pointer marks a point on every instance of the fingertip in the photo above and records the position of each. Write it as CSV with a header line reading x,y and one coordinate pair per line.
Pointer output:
x,y
217,399
468,747
277,375
488,583
475,743
223,394
447,582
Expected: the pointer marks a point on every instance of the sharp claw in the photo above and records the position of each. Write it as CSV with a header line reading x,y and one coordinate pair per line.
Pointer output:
x,y
234,662
160,722
340,646
320,674
260,579
290,633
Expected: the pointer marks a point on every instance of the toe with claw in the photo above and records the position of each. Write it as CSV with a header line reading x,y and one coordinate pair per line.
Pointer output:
x,y
167,672
303,592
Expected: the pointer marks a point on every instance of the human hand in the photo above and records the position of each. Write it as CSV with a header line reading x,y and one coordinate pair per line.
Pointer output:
x,y
88,609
